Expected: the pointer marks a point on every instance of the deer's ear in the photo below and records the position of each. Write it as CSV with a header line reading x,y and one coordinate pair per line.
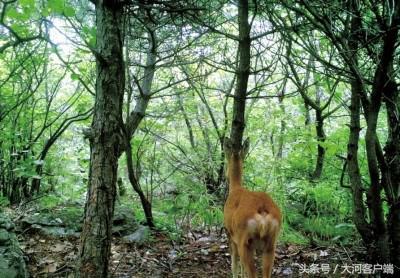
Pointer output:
x,y
245,148
227,146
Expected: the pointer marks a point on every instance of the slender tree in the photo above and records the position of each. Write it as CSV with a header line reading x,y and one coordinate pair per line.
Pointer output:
x,y
242,73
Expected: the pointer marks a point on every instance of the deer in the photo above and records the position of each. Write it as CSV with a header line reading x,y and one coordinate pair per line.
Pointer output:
x,y
252,219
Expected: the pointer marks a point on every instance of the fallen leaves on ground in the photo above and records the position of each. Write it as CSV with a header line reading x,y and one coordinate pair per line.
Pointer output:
x,y
202,255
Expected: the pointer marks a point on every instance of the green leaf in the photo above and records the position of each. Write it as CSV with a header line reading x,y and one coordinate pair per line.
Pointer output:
x,y
46,11
56,6
92,41
20,29
74,76
86,30
13,14
27,3
90,34
69,11
27,12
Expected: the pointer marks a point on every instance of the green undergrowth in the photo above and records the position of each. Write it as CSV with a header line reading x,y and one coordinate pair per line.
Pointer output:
x,y
312,212
181,214
319,212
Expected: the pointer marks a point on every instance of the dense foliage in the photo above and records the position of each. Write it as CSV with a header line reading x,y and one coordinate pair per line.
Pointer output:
x,y
321,110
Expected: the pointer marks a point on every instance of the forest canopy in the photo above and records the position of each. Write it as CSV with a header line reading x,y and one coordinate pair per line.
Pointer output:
x,y
110,104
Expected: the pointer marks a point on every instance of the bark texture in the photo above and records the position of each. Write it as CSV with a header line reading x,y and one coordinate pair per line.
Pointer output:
x,y
359,211
105,141
392,155
242,73
136,117
359,208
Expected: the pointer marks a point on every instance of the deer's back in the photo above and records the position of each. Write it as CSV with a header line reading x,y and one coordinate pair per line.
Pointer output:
x,y
242,205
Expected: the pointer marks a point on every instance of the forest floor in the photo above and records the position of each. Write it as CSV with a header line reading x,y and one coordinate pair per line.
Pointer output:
x,y
199,255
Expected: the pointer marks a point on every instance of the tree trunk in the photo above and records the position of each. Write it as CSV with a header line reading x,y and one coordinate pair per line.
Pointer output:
x,y
308,129
359,210
36,181
146,205
187,122
279,153
242,73
382,83
136,117
321,137
392,156
105,141
394,233
374,194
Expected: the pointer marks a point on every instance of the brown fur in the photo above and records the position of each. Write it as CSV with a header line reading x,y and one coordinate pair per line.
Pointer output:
x,y
252,220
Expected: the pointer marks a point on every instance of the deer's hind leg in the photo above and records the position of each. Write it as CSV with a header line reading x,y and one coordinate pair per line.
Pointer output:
x,y
268,256
246,253
234,258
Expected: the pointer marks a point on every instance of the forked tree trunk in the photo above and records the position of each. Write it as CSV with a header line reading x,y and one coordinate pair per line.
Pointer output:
x,y
105,141
382,83
136,116
368,230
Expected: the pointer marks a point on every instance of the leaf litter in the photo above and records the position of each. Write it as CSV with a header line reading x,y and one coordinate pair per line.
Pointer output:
x,y
203,255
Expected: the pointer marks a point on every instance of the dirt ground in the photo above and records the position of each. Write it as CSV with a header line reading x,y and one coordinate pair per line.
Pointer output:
x,y
199,255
